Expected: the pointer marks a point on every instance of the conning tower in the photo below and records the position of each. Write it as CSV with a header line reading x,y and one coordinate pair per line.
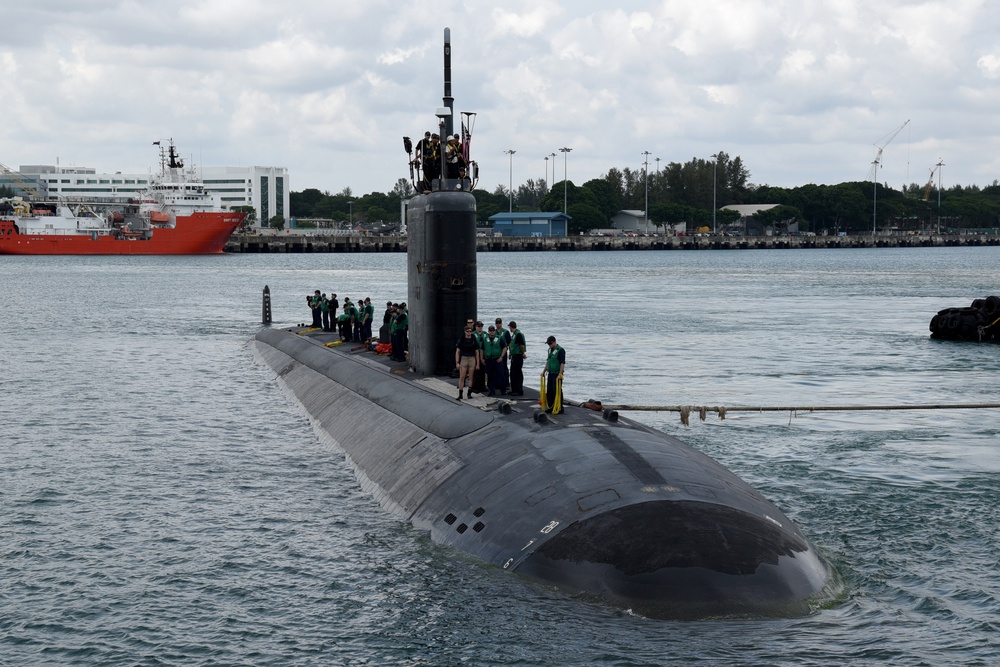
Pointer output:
x,y
441,247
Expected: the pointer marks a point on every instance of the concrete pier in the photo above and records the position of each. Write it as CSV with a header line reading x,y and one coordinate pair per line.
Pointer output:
x,y
311,243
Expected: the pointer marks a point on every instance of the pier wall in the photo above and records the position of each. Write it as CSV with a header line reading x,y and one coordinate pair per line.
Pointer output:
x,y
293,243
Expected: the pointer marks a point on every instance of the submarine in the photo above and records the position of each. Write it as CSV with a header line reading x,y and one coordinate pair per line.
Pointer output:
x,y
584,501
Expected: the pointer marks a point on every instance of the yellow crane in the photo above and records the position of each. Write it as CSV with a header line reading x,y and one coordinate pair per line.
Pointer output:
x,y
15,178
930,181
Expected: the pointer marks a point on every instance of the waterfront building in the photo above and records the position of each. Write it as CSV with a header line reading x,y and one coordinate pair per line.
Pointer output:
x,y
264,188
531,224
632,221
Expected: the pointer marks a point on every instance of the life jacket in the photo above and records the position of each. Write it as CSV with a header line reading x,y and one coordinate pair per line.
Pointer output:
x,y
493,347
552,363
515,347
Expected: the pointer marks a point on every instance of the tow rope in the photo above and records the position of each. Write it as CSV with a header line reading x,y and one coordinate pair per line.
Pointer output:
x,y
703,410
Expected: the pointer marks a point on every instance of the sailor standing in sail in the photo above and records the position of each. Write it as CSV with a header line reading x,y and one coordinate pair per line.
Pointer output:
x,y
455,162
428,152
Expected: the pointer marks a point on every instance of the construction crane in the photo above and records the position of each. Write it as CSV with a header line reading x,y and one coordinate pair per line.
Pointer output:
x,y
876,163
930,184
930,181
20,183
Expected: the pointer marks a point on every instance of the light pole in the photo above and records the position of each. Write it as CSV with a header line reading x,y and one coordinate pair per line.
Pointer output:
x,y
939,165
510,182
715,171
553,156
565,152
350,209
546,176
645,177
657,167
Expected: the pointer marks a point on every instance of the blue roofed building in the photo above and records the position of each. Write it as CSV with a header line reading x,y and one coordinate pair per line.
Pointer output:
x,y
531,224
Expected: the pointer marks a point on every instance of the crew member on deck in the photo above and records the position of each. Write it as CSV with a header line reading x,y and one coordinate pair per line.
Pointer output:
x,y
517,352
555,366
466,359
494,352
314,304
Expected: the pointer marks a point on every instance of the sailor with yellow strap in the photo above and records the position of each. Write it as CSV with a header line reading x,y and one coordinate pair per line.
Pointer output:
x,y
555,366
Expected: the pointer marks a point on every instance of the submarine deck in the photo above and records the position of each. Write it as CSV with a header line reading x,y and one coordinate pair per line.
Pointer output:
x,y
446,386
604,506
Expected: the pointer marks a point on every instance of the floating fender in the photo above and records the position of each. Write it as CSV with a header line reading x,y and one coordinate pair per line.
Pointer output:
x,y
978,322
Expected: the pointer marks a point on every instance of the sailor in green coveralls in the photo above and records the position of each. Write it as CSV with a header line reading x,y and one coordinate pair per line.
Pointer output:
x,y
555,366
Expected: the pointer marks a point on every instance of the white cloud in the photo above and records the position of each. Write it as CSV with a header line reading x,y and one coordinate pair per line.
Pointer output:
x,y
989,65
799,88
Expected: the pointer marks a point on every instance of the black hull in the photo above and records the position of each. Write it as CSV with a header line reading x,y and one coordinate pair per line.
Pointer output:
x,y
614,510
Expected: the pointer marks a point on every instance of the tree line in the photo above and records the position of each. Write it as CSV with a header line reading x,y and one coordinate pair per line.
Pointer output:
x,y
688,193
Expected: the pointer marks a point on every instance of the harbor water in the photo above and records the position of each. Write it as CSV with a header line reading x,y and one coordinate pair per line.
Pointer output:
x,y
162,502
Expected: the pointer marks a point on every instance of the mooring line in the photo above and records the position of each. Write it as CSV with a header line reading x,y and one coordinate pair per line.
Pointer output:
x,y
703,410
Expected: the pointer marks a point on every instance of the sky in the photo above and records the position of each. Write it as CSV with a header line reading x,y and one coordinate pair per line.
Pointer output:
x,y
804,91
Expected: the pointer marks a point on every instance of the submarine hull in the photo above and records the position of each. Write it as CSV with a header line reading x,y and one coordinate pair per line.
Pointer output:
x,y
612,510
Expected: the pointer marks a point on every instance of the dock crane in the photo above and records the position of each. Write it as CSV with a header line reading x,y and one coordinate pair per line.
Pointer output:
x,y
930,183
876,163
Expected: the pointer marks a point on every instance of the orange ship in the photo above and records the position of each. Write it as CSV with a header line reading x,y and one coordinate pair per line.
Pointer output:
x,y
174,216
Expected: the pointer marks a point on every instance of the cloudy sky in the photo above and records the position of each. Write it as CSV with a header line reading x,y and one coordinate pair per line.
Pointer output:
x,y
802,90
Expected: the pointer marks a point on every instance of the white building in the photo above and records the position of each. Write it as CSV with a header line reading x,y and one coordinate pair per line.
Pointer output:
x,y
264,188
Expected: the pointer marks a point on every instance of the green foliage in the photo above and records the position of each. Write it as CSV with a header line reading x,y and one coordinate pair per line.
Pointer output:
x,y
7,191
779,216
726,216
376,214
278,222
488,204
609,199
251,219
686,192
584,217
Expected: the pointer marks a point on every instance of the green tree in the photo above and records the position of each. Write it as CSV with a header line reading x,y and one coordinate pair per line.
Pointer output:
x,y
726,216
251,219
277,222
303,203
779,217
403,189
609,200
584,217
376,214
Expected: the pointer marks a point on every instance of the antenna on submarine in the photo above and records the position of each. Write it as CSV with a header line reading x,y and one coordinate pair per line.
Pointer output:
x,y
448,100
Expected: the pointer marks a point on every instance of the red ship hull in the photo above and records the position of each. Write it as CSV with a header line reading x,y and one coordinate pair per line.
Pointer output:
x,y
200,233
